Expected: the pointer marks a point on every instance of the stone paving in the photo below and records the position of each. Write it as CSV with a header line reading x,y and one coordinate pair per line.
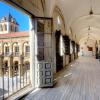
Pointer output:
x,y
80,82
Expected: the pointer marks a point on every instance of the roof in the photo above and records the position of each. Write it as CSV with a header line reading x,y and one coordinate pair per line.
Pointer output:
x,y
9,18
15,34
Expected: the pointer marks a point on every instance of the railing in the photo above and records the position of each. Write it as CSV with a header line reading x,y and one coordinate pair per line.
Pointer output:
x,y
6,53
13,79
27,54
16,54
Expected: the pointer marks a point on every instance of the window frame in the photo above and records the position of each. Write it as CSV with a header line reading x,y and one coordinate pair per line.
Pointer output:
x,y
16,49
27,49
7,50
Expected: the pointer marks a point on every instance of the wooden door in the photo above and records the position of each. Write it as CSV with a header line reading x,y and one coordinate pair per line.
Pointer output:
x,y
44,55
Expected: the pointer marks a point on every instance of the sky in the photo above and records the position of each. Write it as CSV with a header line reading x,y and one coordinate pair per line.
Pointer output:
x,y
21,18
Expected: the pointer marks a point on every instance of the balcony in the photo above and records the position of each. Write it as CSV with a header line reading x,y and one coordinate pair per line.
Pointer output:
x,y
16,54
27,54
7,54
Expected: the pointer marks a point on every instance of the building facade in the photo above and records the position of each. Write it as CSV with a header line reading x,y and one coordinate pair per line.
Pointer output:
x,y
14,47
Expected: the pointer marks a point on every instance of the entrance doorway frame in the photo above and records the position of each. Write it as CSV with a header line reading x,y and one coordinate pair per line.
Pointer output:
x,y
32,37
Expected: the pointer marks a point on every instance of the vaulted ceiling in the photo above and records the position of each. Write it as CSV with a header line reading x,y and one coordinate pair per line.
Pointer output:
x,y
77,17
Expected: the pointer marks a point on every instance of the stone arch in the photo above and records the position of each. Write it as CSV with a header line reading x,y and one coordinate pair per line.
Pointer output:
x,y
58,20
6,44
27,65
35,7
14,46
26,43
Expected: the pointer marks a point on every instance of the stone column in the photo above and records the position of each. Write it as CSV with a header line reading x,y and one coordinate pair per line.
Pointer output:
x,y
21,66
67,49
10,66
21,49
8,27
33,49
67,60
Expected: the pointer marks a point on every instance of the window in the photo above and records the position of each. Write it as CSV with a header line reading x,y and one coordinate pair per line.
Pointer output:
x,y
1,29
40,39
16,53
27,49
7,50
58,20
71,48
16,49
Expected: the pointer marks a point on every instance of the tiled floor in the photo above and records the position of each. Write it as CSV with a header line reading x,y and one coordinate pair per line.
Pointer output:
x,y
83,84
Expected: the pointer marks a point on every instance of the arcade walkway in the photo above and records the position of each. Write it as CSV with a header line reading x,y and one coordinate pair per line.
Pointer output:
x,y
82,84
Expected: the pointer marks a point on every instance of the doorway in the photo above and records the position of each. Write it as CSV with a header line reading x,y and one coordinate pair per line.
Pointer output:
x,y
59,58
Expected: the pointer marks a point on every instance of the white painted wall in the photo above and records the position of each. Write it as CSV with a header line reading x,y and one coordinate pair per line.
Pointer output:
x,y
84,49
